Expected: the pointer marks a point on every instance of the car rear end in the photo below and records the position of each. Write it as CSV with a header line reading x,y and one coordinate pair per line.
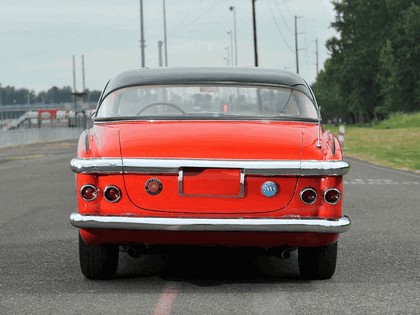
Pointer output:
x,y
218,164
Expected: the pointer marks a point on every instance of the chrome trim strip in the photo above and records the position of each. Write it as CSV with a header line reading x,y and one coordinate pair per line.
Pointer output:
x,y
97,166
318,143
251,167
172,166
327,168
86,136
333,149
216,225
180,182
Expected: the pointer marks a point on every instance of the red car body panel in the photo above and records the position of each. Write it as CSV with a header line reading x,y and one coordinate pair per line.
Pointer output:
x,y
212,140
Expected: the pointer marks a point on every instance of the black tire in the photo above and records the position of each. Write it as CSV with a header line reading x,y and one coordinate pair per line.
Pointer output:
x,y
98,262
317,263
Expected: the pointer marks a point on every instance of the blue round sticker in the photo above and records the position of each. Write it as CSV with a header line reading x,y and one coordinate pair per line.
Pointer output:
x,y
269,189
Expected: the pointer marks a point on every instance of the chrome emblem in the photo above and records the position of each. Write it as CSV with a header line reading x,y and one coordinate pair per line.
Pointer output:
x,y
153,186
269,189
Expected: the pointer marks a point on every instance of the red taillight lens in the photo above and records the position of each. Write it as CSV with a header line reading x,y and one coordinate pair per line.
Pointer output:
x,y
112,193
332,196
308,196
88,192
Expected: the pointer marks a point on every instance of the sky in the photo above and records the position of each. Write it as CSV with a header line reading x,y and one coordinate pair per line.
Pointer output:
x,y
39,38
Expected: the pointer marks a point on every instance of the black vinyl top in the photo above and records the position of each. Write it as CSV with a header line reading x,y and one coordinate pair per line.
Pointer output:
x,y
203,75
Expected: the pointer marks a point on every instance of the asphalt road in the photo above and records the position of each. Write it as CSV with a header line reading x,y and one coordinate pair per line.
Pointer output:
x,y
378,269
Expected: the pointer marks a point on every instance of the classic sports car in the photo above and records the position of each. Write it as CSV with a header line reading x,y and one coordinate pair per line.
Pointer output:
x,y
208,156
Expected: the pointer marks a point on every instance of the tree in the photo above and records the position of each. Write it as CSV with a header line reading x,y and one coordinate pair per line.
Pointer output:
x,y
12,96
406,48
328,95
374,64
387,81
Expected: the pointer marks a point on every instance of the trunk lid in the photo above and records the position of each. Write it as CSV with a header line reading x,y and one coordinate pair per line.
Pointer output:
x,y
208,190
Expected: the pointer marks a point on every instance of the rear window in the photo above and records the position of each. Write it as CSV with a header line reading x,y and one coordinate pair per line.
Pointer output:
x,y
206,102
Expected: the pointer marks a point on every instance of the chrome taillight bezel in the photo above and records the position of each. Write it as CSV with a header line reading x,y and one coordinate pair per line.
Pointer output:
x,y
332,189
306,189
109,187
89,186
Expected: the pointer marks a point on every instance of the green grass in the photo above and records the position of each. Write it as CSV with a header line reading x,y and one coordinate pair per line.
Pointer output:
x,y
394,142
398,121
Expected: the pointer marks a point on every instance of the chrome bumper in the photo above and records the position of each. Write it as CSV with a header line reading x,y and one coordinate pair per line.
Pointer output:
x,y
173,166
297,225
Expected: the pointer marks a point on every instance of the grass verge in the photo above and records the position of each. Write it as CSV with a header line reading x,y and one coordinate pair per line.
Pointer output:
x,y
393,143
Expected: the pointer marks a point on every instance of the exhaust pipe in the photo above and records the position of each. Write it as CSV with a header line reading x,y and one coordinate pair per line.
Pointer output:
x,y
284,254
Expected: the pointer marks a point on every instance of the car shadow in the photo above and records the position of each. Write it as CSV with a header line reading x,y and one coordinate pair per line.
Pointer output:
x,y
211,267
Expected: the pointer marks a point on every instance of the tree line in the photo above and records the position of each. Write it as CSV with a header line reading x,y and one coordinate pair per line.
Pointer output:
x,y
55,95
374,64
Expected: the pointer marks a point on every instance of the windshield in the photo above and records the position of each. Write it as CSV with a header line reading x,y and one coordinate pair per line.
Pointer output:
x,y
207,102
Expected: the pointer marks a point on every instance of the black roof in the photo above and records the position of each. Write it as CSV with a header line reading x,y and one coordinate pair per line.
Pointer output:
x,y
203,75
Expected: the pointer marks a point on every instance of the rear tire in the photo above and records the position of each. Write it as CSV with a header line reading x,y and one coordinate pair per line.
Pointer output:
x,y
317,263
98,262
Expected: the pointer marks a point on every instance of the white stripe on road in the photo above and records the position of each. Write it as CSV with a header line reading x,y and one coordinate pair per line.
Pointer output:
x,y
382,168
166,301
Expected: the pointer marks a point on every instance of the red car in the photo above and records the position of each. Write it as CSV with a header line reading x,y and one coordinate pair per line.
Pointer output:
x,y
209,156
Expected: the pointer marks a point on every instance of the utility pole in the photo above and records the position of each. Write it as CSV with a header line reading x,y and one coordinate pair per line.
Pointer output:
x,y
83,73
1,100
254,23
142,45
317,57
232,8
160,43
231,47
75,93
74,74
164,33
227,56
74,86
296,45
83,77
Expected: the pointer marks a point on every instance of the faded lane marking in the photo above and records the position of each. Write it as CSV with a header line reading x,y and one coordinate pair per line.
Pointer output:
x,y
358,181
26,157
416,175
166,301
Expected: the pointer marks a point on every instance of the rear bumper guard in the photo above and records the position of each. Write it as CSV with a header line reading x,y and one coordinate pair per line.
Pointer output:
x,y
294,225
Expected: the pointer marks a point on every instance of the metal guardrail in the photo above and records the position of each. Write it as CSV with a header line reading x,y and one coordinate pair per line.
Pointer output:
x,y
28,124
19,137
28,107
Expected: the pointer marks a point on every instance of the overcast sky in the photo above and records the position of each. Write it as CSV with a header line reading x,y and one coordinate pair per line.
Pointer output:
x,y
38,38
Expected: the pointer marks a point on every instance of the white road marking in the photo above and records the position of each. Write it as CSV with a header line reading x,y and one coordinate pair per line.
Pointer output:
x,y
382,168
166,301
369,181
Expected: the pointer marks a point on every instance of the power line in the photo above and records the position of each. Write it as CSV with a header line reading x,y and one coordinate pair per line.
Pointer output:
x,y
203,14
282,17
175,28
287,8
278,28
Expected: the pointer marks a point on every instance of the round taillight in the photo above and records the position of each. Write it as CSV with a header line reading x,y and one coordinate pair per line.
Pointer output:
x,y
332,196
308,196
89,192
112,193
